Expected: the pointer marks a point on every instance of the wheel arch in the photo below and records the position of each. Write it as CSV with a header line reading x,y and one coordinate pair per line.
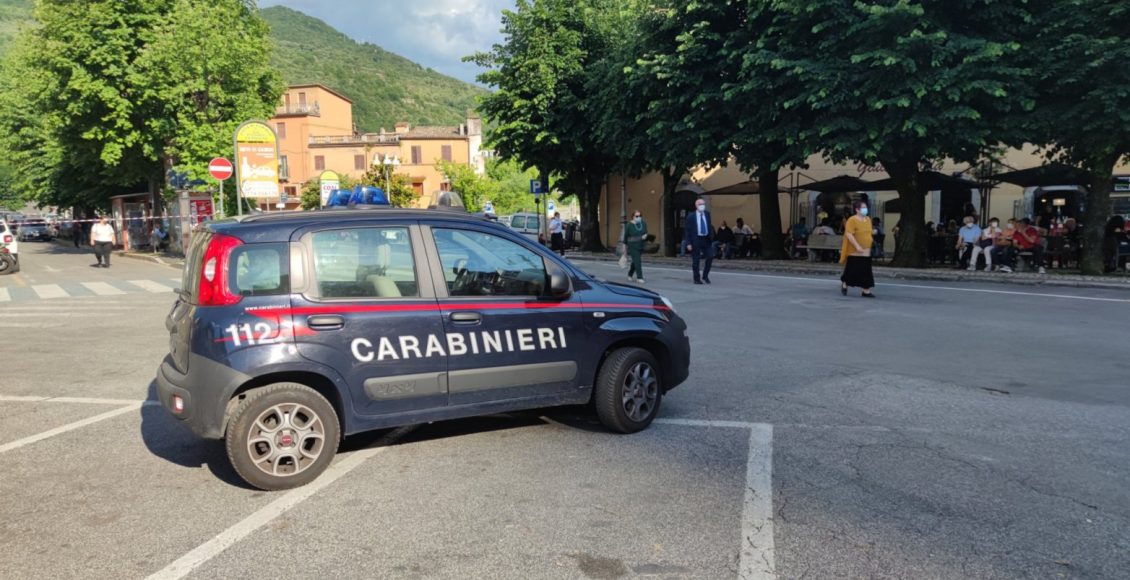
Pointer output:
x,y
319,383
651,344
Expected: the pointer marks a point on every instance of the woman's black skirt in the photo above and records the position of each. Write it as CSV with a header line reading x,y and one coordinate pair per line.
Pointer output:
x,y
857,272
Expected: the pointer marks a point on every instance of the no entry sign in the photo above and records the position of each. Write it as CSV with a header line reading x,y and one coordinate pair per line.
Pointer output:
x,y
220,168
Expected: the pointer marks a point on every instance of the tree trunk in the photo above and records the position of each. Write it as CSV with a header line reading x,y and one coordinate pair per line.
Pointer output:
x,y
669,241
1096,214
910,248
590,214
772,239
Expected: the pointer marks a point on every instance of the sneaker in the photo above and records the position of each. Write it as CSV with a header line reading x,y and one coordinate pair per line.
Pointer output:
x,y
1006,269
1042,270
971,269
631,278
640,280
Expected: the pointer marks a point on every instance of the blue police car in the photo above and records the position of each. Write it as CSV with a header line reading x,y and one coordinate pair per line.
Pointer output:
x,y
294,329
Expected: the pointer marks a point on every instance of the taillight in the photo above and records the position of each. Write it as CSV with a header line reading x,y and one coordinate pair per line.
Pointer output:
x,y
214,289
7,238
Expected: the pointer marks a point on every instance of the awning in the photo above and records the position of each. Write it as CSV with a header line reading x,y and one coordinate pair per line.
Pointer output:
x,y
743,188
840,184
933,181
1045,175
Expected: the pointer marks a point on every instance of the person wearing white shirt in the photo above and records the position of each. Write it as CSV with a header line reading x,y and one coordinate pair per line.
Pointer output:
x,y
103,238
557,234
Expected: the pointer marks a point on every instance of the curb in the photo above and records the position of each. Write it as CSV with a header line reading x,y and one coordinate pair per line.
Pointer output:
x,y
1017,279
169,261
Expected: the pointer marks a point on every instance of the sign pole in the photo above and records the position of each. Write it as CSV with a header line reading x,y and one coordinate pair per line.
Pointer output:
x,y
222,199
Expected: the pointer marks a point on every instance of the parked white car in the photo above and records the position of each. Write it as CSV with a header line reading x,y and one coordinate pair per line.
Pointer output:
x,y
527,223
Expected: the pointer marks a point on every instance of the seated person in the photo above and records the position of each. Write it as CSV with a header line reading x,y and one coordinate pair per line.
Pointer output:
x,y
967,238
824,229
1027,239
723,241
1004,252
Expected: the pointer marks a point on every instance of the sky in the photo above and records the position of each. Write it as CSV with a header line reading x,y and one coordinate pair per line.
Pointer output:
x,y
434,33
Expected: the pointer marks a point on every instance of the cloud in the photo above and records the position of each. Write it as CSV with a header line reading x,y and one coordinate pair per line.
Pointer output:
x,y
435,33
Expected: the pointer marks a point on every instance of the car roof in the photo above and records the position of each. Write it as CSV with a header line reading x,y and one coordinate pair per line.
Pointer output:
x,y
276,226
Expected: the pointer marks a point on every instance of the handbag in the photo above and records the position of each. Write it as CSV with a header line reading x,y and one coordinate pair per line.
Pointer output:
x,y
622,249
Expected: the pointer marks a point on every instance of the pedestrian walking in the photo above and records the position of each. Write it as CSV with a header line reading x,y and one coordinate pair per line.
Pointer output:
x,y
103,238
636,238
76,231
855,253
699,241
557,234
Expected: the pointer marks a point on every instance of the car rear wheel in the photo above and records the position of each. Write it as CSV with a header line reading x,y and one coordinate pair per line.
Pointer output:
x,y
282,436
8,265
629,389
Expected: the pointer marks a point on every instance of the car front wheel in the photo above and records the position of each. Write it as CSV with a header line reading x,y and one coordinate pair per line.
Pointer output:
x,y
282,436
629,389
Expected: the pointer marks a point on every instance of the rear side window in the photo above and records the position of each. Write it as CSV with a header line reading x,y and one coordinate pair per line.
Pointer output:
x,y
518,221
259,270
364,263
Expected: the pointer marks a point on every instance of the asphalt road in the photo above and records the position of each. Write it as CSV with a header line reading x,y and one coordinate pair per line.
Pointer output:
x,y
940,431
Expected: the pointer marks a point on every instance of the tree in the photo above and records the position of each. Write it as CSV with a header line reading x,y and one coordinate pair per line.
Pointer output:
x,y
474,188
539,112
109,94
903,84
397,186
311,194
1083,109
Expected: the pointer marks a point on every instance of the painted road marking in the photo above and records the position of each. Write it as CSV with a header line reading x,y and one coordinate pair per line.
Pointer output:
x,y
73,400
896,285
102,289
5,296
229,537
69,427
150,286
757,560
49,291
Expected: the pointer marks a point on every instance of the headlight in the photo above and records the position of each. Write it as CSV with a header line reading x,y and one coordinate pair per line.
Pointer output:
x,y
667,303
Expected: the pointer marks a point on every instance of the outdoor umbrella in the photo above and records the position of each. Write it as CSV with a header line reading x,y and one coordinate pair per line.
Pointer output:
x,y
1045,175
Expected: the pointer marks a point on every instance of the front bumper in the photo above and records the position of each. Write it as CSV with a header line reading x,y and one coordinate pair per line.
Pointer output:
x,y
679,346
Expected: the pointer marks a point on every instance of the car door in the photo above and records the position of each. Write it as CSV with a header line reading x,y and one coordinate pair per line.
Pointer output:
x,y
369,311
507,338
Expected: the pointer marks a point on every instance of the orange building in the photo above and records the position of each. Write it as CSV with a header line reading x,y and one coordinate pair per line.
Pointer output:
x,y
316,133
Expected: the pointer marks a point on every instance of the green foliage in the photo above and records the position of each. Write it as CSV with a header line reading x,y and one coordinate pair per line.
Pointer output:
x,y
397,186
103,96
474,188
903,84
540,112
311,194
385,88
1083,109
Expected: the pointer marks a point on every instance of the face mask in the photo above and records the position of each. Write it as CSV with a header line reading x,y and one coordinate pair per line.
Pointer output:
x,y
863,211
637,219
700,208
993,224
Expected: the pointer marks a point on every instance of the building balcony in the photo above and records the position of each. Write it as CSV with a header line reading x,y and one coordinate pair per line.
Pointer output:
x,y
295,110
363,139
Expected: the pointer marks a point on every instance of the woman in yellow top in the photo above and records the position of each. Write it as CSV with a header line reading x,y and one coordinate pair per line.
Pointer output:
x,y
855,253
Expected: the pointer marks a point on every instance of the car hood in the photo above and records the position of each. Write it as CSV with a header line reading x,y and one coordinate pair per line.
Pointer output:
x,y
633,291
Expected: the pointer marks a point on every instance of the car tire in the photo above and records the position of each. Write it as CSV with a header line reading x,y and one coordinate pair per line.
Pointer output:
x,y
8,265
629,390
282,436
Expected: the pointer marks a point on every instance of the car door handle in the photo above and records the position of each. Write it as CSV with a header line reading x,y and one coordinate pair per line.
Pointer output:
x,y
466,317
325,322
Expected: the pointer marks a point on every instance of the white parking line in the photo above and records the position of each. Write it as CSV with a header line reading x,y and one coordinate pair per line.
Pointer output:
x,y
68,427
72,400
50,291
229,537
151,286
102,289
5,296
757,560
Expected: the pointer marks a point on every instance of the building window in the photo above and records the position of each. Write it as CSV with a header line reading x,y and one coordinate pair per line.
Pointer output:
x,y
319,163
286,101
291,191
284,168
302,100
417,155
281,128
445,152
359,161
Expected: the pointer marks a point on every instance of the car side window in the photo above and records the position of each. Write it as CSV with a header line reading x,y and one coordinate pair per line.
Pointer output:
x,y
518,222
481,264
364,263
260,270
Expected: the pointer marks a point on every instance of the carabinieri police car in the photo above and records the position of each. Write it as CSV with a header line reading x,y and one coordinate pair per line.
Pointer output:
x,y
293,329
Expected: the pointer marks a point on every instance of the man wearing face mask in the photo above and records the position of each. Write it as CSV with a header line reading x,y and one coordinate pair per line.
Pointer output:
x,y
698,240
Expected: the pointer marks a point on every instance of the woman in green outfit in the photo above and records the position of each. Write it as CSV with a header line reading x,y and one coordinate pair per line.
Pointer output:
x,y
636,238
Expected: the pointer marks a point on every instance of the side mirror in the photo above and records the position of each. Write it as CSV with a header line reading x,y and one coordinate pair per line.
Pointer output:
x,y
560,284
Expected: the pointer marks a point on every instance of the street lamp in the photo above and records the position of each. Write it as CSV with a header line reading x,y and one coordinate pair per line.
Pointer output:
x,y
389,163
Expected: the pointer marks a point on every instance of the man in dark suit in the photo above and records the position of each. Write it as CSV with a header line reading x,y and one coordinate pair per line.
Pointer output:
x,y
698,239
